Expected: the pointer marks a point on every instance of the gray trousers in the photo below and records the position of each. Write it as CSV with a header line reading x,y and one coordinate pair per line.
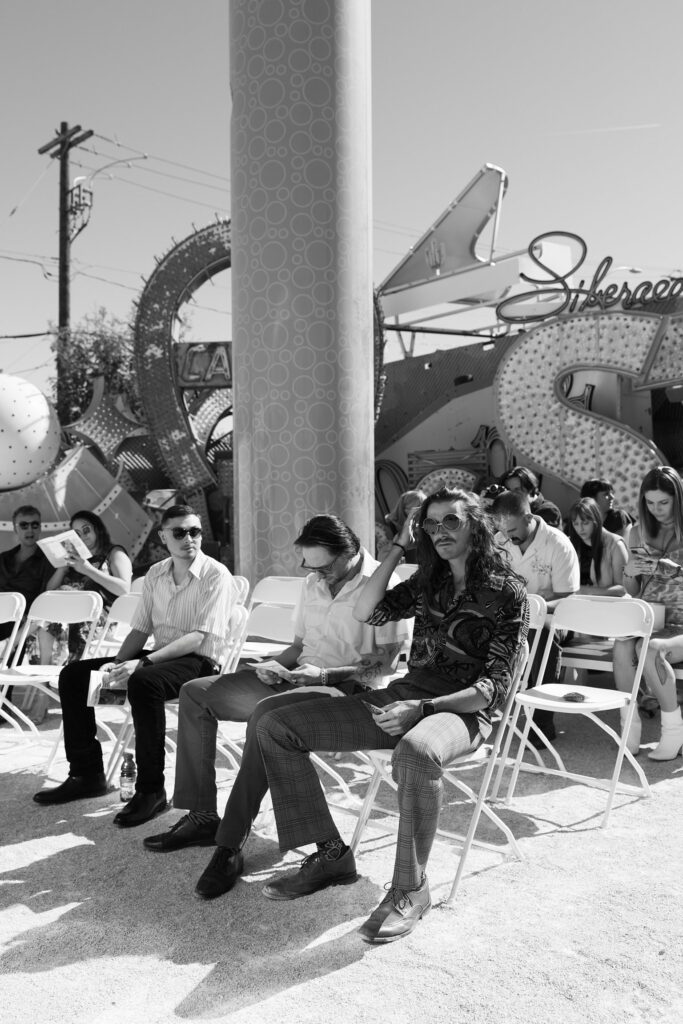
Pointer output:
x,y
287,734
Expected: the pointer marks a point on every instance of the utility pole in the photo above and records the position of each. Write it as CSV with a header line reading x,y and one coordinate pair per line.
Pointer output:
x,y
59,148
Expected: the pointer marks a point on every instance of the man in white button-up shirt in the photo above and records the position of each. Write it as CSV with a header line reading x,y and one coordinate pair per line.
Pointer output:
x,y
331,650
185,604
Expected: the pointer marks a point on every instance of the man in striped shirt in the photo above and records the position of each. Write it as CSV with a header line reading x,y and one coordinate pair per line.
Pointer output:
x,y
185,604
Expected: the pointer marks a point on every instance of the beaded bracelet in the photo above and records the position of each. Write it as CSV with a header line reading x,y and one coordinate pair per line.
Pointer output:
x,y
324,677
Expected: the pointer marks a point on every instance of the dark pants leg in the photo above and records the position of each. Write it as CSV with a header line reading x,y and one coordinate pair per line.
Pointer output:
x,y
545,720
251,783
83,750
148,689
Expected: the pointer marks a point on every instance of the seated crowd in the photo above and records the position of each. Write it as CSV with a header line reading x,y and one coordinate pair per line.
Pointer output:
x,y
476,560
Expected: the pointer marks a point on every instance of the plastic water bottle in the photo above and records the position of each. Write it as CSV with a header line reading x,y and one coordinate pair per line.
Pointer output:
x,y
127,778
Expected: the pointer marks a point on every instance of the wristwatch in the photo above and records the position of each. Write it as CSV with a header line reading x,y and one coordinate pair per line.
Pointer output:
x,y
427,708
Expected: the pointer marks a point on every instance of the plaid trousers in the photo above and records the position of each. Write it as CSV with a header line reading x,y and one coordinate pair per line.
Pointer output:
x,y
287,734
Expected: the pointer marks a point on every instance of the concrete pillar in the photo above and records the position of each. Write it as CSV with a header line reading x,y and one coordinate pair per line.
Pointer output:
x,y
301,272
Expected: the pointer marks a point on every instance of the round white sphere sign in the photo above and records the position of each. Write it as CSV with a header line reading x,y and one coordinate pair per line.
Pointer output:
x,y
29,433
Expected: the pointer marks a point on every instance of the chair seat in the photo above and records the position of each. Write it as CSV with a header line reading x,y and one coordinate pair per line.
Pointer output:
x,y
549,695
23,672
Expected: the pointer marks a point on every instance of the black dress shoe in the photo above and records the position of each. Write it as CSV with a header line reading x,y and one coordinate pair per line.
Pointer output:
x,y
397,914
223,870
316,872
183,833
76,787
143,807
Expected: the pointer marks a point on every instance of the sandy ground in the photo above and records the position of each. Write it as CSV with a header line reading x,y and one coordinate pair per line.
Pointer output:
x,y
587,929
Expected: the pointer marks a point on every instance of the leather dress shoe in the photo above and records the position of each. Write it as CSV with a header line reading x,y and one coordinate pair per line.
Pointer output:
x,y
221,873
143,807
183,833
397,914
316,872
76,787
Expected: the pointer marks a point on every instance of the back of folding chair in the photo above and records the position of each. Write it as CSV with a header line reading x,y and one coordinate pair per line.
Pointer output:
x,y
12,608
121,614
61,606
284,590
240,586
237,631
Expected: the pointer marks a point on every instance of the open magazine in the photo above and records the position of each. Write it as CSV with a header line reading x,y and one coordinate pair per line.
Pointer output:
x,y
100,690
63,545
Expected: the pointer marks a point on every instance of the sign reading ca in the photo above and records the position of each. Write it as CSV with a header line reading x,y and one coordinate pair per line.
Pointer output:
x,y
204,365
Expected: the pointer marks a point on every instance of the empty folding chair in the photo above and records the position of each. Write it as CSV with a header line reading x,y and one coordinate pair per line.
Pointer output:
x,y
607,619
12,608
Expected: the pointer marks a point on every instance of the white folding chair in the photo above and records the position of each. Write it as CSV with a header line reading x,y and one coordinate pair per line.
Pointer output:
x,y
240,586
284,590
381,764
404,571
270,629
119,620
612,619
12,608
67,606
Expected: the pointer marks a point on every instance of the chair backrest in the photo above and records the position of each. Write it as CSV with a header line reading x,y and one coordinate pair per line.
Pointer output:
x,y
61,606
12,608
271,622
538,611
237,631
121,614
240,586
405,571
283,590
618,618
136,585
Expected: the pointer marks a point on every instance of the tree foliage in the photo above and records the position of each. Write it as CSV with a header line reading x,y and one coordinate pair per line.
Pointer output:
x,y
99,345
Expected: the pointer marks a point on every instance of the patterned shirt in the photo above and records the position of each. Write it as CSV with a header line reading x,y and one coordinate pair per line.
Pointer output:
x,y
469,639
203,601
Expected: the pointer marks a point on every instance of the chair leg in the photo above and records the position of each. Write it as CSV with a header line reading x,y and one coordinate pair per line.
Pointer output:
x,y
366,809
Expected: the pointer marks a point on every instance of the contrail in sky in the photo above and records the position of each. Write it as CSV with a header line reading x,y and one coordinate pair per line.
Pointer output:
x,y
614,128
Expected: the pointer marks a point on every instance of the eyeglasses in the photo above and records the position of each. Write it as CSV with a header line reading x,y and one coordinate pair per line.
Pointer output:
x,y
319,568
449,524
28,526
179,532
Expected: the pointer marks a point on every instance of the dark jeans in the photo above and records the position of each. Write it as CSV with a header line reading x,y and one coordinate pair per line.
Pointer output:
x,y
148,689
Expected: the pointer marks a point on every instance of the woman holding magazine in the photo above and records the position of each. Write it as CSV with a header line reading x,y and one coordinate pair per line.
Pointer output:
x,y
108,571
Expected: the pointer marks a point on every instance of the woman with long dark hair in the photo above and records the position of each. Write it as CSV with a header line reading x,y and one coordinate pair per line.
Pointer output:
x,y
108,571
602,555
654,572
471,621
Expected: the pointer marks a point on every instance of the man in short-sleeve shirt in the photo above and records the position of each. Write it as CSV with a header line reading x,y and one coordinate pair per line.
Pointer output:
x,y
185,604
547,560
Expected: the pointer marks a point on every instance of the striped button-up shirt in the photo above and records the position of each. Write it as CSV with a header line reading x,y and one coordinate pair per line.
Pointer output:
x,y
203,602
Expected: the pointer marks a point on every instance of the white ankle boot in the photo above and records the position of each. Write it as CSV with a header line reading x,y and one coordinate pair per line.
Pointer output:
x,y
671,741
633,741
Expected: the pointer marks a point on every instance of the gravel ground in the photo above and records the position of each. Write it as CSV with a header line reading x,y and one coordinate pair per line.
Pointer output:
x,y
94,929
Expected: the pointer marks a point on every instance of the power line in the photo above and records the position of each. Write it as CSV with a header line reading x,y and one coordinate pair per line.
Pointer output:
x,y
162,174
36,334
161,159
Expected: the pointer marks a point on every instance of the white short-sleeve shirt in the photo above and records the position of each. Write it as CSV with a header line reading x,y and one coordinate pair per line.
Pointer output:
x,y
549,565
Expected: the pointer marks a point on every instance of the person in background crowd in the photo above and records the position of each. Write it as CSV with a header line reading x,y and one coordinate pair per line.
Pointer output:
x,y
602,555
108,571
654,572
522,479
614,519
546,559
185,604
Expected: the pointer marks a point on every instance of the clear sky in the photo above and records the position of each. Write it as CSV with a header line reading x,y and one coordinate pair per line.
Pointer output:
x,y
579,102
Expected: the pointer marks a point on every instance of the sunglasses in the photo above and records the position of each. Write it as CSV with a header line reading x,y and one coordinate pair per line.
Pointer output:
x,y
180,532
28,526
449,524
319,568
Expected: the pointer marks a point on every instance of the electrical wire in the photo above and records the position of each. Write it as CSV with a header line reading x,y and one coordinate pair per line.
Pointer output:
x,y
161,159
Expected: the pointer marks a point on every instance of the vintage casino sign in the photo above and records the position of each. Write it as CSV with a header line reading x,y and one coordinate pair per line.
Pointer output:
x,y
204,365
554,290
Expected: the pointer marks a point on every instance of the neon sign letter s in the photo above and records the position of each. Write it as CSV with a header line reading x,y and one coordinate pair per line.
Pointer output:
x,y
573,444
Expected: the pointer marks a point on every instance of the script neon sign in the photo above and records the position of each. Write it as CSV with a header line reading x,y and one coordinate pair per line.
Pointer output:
x,y
554,288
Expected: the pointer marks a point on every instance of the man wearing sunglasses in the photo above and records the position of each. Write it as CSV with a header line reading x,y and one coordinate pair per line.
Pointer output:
x,y
332,654
185,604
24,568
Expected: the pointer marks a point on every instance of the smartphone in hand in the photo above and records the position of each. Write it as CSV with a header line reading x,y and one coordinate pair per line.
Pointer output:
x,y
374,709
